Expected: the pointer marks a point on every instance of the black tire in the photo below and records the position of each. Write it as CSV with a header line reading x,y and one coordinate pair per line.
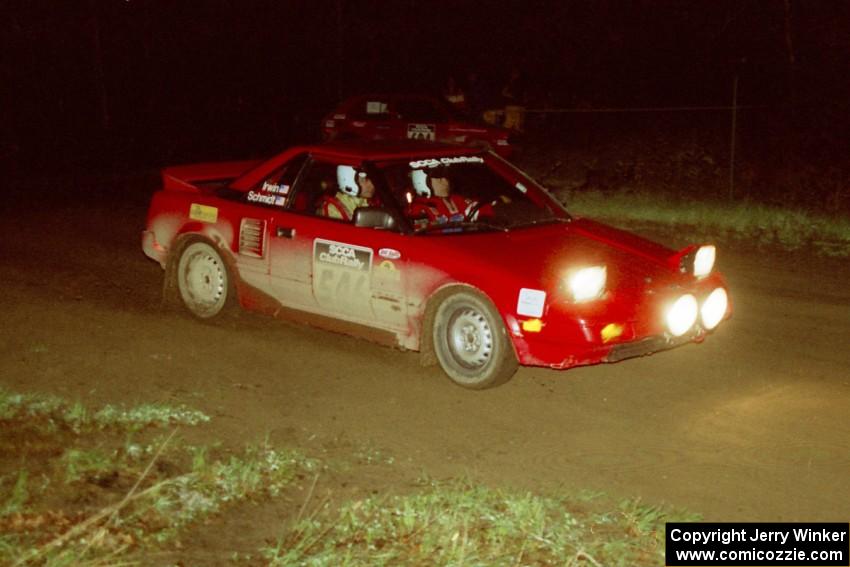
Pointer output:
x,y
202,280
471,342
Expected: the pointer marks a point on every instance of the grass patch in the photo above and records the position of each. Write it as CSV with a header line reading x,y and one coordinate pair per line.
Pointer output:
x,y
50,412
753,222
109,486
461,523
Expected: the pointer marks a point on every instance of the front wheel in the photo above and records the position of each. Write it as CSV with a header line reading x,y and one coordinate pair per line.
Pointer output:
x,y
203,280
471,343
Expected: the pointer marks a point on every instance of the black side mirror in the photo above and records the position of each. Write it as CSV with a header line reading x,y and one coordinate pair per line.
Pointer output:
x,y
374,217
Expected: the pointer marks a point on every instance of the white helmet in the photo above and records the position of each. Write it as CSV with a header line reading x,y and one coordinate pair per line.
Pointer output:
x,y
421,179
345,178
420,182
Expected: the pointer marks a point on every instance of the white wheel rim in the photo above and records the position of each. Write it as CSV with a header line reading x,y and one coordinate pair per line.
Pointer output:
x,y
470,338
203,281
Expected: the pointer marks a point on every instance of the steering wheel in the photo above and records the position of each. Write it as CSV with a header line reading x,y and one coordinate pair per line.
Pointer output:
x,y
472,214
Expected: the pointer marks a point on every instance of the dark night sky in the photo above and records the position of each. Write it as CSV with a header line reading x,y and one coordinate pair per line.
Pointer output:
x,y
88,70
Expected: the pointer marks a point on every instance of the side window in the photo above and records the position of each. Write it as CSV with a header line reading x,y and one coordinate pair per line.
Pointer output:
x,y
275,189
317,183
285,176
335,191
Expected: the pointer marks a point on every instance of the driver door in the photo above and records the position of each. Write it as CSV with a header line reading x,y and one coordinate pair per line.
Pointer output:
x,y
331,267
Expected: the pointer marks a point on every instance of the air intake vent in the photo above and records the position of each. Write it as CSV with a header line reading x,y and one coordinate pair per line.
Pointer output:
x,y
252,234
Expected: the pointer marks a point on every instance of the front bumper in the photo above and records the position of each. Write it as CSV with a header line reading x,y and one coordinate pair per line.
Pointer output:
x,y
581,338
559,356
649,345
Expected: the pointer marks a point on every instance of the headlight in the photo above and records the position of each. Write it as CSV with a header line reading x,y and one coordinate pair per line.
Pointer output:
x,y
714,308
682,315
587,283
704,261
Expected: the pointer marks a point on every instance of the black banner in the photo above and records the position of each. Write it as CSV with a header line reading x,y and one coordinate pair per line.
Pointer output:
x,y
744,544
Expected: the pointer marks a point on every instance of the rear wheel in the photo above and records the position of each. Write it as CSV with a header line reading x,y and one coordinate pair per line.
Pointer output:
x,y
471,343
203,280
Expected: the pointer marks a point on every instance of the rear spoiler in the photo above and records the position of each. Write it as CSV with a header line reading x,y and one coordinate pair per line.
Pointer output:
x,y
184,177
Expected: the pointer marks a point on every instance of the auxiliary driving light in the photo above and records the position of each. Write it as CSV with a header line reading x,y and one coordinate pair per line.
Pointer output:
x,y
704,260
714,308
682,315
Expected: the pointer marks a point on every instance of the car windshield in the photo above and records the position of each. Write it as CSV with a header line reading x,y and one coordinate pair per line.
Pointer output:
x,y
452,194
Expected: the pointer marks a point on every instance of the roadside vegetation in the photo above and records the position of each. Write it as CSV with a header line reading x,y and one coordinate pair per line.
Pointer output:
x,y
675,176
753,223
463,523
121,486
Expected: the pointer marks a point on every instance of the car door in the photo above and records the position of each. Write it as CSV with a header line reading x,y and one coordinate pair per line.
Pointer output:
x,y
331,267
357,274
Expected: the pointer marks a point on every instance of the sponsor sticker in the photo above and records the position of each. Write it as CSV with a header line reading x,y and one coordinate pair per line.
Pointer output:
x,y
257,197
388,271
203,213
343,255
275,188
530,302
434,162
389,253
341,276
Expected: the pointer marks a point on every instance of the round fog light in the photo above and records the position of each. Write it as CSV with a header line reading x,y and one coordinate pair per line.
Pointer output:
x,y
682,315
714,308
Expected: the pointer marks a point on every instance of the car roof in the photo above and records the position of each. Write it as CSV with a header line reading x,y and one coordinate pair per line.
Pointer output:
x,y
357,152
379,150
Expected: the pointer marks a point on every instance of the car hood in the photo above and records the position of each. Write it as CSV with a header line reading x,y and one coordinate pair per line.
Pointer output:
x,y
540,256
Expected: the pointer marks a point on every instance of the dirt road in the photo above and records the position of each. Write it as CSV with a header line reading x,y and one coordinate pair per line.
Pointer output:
x,y
750,425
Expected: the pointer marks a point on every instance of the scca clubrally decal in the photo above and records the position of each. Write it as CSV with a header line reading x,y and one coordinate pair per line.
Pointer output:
x,y
342,276
343,255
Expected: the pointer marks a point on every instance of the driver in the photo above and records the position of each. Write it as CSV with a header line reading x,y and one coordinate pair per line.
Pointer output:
x,y
356,190
435,203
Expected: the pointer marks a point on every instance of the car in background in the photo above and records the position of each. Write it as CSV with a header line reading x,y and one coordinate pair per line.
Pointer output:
x,y
413,117
456,254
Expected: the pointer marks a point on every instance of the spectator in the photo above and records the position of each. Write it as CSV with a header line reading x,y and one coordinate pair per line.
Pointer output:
x,y
454,95
513,94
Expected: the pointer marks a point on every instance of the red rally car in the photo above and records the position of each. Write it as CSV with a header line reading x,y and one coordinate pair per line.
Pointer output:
x,y
413,117
446,250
